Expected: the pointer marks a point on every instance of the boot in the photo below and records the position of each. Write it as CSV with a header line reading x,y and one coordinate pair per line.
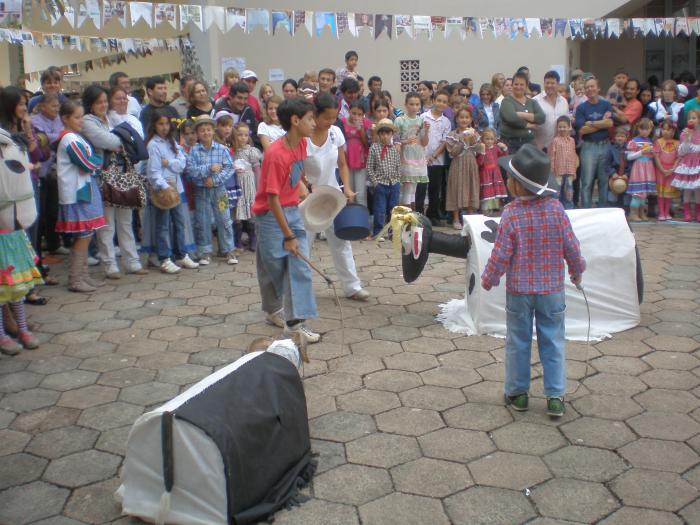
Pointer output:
x,y
686,212
253,240
634,214
76,262
86,276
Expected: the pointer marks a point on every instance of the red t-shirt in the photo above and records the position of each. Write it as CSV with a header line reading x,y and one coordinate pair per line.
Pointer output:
x,y
255,106
281,172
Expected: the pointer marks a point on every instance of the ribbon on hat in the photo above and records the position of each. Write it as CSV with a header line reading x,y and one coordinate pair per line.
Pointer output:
x,y
401,217
541,189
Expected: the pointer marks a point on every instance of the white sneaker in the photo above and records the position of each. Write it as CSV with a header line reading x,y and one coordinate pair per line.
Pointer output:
x,y
360,295
311,337
275,318
231,258
62,250
321,236
153,261
204,260
117,251
380,239
188,263
168,266
93,261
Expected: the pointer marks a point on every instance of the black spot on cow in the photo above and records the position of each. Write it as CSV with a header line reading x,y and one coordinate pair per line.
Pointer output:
x,y
472,283
15,165
490,234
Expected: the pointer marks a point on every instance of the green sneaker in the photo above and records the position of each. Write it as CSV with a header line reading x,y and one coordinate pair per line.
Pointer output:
x,y
519,402
555,406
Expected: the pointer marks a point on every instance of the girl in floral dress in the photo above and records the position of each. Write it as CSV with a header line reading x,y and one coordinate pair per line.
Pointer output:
x,y
413,133
686,176
490,178
642,182
666,149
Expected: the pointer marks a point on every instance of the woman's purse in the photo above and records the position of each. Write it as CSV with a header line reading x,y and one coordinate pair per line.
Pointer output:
x,y
121,186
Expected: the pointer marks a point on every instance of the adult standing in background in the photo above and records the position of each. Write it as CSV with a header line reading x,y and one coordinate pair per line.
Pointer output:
x,y
532,88
51,80
200,102
487,112
497,82
554,106
520,116
627,113
157,93
182,102
593,119
121,79
506,91
251,79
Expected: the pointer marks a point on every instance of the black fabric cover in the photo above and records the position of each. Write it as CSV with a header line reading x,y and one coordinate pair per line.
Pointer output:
x,y
257,418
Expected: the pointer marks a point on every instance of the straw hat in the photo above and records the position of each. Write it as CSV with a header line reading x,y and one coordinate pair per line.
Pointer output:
x,y
387,124
165,199
320,208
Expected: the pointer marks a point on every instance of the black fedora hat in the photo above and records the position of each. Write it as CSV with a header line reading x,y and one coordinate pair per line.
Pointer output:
x,y
531,167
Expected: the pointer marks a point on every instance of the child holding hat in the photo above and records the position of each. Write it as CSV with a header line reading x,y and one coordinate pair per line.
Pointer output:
x,y
534,238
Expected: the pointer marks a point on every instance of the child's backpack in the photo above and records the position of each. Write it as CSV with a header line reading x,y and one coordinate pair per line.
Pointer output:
x,y
17,206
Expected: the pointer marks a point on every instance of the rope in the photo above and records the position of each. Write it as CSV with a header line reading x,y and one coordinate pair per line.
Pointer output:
x,y
588,341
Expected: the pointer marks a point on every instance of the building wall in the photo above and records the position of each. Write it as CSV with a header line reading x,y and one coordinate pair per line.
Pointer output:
x,y
5,67
604,57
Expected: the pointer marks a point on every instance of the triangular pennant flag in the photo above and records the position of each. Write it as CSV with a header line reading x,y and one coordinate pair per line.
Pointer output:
x,y
500,27
694,25
613,28
282,21
438,26
533,27
69,12
114,9
681,26
649,27
341,20
589,29
364,23
165,14
235,17
383,24
303,19
486,26
576,28
518,27
637,27
560,27
456,25
323,19
215,15
404,25
422,26
141,10
259,19
547,27
57,41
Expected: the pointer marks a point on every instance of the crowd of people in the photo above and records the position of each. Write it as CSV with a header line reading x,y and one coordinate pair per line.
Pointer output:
x,y
159,178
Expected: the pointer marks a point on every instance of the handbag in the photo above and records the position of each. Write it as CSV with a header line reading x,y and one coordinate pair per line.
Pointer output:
x,y
121,186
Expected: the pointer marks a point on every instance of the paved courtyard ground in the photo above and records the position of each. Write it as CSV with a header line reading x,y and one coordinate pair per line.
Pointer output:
x,y
407,417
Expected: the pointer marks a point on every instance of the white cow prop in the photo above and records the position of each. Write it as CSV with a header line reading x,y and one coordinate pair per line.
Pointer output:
x,y
610,280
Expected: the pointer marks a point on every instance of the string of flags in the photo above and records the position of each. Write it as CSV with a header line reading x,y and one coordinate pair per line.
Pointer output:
x,y
99,13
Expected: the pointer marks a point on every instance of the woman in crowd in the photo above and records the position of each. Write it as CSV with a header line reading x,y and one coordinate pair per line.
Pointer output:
x,y
487,112
519,116
200,103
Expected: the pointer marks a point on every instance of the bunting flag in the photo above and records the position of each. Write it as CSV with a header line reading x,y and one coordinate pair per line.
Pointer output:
x,y
114,10
323,19
142,10
383,24
90,10
165,14
682,27
404,25
235,17
11,14
304,19
455,25
342,21
284,20
258,19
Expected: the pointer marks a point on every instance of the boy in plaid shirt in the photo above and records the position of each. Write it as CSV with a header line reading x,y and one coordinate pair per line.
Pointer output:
x,y
534,238
384,170
562,152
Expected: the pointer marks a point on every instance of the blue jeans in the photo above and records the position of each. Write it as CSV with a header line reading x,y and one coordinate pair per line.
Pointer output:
x,y
594,167
284,280
548,311
176,216
208,202
566,192
384,199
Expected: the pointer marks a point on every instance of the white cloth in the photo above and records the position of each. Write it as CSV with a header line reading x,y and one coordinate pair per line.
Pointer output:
x,y
322,161
115,119
119,220
544,133
133,107
271,131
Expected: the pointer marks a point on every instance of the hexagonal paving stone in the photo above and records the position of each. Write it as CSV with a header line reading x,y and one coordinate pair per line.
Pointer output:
x,y
383,450
54,364
410,362
318,512
607,407
614,384
375,348
489,506
82,468
672,343
595,432
19,381
354,484
341,426
509,471
20,468
620,365
12,442
586,463
431,477
94,503
663,425
64,381
409,421
476,416
403,509
29,400
664,400
148,393
62,441
528,438
456,444
623,347
88,396
126,376
427,345
672,379
392,380
672,360
45,419
653,489
355,364
330,455
333,384
368,401
107,363
654,454
451,377
432,397
28,503
574,500
465,359
113,415
634,516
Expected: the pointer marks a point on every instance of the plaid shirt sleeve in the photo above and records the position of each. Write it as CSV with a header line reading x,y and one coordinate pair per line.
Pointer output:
x,y
501,254
197,167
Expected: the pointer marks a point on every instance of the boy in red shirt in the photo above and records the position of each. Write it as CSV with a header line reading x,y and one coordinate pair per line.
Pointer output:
x,y
283,277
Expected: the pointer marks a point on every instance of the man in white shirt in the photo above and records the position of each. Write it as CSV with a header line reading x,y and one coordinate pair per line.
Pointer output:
x,y
121,79
554,106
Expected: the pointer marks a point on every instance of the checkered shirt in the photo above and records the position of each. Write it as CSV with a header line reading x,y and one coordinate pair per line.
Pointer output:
x,y
385,171
200,161
533,240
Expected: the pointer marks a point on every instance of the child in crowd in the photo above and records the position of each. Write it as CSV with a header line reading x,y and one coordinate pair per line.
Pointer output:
x,y
80,212
438,128
642,181
379,111
384,172
413,133
686,176
166,162
534,235
210,166
284,278
224,130
270,129
463,180
619,167
491,186
562,153
666,150
356,129
231,76
246,162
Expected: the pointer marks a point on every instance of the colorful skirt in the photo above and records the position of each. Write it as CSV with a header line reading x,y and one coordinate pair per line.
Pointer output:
x,y
246,181
687,173
82,217
18,271
413,166
664,186
491,182
642,180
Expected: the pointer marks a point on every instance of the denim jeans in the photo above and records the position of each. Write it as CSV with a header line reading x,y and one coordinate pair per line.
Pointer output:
x,y
284,280
566,192
178,217
214,201
385,198
549,314
594,167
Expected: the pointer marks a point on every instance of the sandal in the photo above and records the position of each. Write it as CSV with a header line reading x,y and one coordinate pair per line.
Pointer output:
x,y
51,281
35,299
